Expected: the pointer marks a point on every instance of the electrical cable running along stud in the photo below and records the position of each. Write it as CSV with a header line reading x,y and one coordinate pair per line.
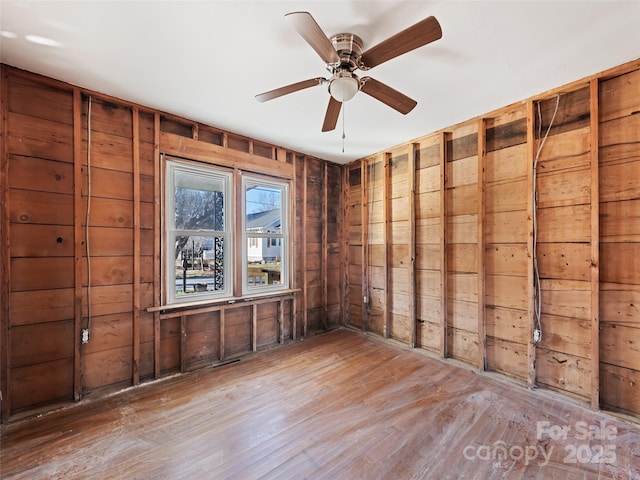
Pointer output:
x,y
343,54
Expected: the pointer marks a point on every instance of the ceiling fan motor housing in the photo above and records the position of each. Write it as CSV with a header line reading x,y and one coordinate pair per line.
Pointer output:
x,y
349,48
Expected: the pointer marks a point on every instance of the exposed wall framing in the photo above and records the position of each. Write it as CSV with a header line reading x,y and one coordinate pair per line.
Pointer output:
x,y
46,287
474,223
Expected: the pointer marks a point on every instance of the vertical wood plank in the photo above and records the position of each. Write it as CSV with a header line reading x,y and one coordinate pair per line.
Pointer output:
x,y
281,321
364,199
325,246
5,270
294,318
292,315
78,242
386,237
136,246
595,244
296,234
238,233
183,343
305,313
254,327
157,211
482,166
444,137
531,143
293,323
156,345
221,335
344,250
413,151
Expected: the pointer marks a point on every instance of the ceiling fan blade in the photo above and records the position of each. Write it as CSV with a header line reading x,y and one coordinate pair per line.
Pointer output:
x,y
307,27
387,95
294,87
331,117
418,35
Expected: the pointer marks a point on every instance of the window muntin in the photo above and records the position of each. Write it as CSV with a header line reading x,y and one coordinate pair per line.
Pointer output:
x,y
198,237
265,234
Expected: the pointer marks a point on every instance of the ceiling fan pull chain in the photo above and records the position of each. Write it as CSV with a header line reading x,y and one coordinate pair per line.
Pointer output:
x,y
344,107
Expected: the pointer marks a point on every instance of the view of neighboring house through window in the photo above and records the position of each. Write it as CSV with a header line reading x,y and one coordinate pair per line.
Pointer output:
x,y
198,232
265,233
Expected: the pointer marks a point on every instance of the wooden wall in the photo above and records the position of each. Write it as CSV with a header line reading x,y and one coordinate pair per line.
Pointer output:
x,y
429,243
47,188
357,276
430,260
619,185
441,239
506,252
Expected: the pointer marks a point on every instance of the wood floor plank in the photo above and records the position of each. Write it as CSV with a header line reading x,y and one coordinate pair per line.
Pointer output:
x,y
341,405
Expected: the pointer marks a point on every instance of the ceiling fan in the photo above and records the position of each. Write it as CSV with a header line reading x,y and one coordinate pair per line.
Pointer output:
x,y
343,54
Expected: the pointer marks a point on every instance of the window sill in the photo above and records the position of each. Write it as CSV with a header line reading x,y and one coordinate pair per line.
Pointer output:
x,y
224,302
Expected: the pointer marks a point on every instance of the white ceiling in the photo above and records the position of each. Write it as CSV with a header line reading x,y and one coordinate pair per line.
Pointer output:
x,y
205,60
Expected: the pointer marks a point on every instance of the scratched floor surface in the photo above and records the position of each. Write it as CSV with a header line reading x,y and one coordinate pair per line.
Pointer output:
x,y
336,406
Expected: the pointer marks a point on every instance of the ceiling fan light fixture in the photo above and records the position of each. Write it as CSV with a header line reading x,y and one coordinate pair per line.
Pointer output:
x,y
343,88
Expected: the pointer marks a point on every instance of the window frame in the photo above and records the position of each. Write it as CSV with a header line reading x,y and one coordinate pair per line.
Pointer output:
x,y
172,168
253,180
235,268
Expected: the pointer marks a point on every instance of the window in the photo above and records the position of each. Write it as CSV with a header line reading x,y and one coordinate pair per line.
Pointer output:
x,y
201,233
265,234
198,233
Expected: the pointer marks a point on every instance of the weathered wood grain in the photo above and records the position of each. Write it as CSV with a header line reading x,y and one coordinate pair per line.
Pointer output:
x,y
620,388
466,409
564,372
620,304
32,98
506,164
620,96
40,384
507,323
43,342
507,135
507,357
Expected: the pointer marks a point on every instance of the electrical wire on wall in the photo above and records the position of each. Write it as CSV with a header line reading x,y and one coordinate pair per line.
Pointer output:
x,y
537,290
86,332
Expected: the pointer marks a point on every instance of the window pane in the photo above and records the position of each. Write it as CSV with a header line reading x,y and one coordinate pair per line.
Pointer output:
x,y
266,236
199,262
263,209
264,262
199,202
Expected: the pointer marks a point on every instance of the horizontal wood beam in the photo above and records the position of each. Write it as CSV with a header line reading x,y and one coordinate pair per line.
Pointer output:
x,y
269,296
226,306
188,148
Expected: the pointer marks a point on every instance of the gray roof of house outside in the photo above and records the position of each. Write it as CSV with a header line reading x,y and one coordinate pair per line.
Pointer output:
x,y
263,220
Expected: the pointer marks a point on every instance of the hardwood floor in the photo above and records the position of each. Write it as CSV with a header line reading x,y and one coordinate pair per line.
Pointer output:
x,y
337,406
